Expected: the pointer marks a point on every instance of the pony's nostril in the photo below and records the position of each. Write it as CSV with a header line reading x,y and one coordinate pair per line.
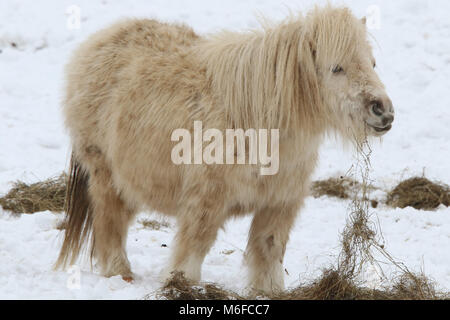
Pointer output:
x,y
387,120
377,108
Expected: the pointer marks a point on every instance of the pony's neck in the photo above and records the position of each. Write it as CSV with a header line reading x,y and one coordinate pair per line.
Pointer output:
x,y
265,79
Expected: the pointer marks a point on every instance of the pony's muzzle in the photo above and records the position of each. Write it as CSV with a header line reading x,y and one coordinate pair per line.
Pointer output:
x,y
381,115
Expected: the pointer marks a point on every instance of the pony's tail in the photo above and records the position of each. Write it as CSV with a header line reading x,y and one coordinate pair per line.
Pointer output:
x,y
78,219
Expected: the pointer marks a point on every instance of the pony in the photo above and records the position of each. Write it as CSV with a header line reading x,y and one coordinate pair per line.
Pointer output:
x,y
129,86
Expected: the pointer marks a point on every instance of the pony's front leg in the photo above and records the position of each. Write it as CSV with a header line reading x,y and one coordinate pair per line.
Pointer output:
x,y
266,246
197,231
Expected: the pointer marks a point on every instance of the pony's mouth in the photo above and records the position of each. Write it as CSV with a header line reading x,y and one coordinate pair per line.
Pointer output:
x,y
379,129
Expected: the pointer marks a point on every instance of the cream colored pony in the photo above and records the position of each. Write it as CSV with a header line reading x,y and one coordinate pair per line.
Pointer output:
x,y
131,85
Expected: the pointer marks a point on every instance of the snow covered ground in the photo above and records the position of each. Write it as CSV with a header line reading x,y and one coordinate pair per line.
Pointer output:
x,y
36,38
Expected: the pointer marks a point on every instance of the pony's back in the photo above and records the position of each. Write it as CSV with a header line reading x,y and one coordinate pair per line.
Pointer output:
x,y
100,67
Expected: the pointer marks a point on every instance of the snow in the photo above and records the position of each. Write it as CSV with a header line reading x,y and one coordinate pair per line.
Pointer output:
x,y
413,56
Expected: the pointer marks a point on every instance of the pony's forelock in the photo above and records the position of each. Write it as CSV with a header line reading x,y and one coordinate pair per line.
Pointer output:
x,y
337,34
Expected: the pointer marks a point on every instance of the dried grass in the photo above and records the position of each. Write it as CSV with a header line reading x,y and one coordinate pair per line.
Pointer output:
x,y
360,239
334,187
331,285
153,224
41,196
179,288
419,193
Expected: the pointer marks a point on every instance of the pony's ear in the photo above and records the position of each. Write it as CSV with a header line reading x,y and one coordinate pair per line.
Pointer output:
x,y
364,20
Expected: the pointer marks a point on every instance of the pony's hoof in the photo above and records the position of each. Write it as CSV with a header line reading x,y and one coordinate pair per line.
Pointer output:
x,y
128,279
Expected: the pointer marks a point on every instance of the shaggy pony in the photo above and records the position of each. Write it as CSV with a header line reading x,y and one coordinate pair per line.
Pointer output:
x,y
131,85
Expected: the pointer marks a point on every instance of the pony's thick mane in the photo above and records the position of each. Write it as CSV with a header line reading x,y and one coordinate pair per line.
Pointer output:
x,y
265,79
268,78
334,32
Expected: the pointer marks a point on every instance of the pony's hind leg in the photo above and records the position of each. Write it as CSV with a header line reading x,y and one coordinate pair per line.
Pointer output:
x,y
266,246
111,219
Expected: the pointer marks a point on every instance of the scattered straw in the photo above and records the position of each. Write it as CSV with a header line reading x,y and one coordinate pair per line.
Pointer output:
x,y
153,224
333,286
41,196
334,187
410,286
360,238
419,193
179,288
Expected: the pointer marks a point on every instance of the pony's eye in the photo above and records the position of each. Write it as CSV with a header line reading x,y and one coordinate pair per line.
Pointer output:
x,y
337,69
374,65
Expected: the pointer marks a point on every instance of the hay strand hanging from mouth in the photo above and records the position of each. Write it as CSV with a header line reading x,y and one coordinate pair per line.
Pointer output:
x,y
362,237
